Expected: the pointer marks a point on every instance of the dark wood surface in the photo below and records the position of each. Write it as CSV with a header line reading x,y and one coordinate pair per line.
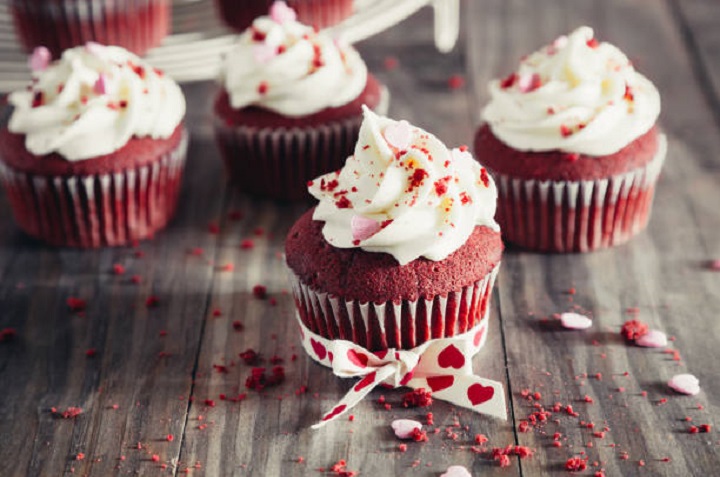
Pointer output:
x,y
155,368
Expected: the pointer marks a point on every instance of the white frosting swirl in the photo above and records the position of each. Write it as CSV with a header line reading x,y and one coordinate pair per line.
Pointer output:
x,y
404,193
291,69
92,101
575,95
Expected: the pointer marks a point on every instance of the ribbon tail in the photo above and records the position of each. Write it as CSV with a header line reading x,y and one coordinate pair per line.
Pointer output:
x,y
357,393
481,395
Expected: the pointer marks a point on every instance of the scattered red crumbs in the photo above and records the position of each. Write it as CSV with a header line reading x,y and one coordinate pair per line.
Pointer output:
x,y
524,426
705,428
576,464
7,334
210,403
152,301
508,81
259,292
118,269
216,312
430,419
417,398
136,279
390,62
238,326
170,438
76,304
565,131
402,447
263,87
213,228
250,356
221,368
588,399
228,267
419,435
79,456
196,251
593,43
258,380
91,353
634,329
300,459
456,82
155,458
247,244
70,413
481,439
503,460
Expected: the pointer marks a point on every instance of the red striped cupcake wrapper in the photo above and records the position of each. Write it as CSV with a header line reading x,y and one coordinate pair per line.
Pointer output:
x,y
97,210
577,216
278,163
136,25
403,325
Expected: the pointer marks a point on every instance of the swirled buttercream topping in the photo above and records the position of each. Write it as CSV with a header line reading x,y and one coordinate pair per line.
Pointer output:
x,y
284,66
405,193
575,95
92,101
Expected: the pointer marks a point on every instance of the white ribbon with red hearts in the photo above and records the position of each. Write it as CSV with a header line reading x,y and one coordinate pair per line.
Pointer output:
x,y
443,366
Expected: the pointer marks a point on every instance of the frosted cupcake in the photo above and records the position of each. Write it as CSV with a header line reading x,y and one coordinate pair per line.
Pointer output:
x,y
290,105
571,138
402,247
136,25
94,148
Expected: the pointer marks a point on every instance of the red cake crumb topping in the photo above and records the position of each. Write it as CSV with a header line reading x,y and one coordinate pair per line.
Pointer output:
x,y
250,356
70,413
593,43
576,464
634,329
259,292
417,398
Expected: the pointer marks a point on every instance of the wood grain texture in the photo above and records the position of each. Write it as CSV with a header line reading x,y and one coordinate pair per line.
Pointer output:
x,y
661,272
202,294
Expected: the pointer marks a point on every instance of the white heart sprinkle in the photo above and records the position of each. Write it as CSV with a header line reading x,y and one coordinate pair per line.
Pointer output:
x,y
685,384
456,471
404,428
575,321
652,339
399,135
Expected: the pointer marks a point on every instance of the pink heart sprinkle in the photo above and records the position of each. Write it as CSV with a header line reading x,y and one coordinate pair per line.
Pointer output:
x,y
281,13
652,339
459,155
404,428
264,53
363,228
456,471
529,83
40,59
399,135
100,86
575,321
685,384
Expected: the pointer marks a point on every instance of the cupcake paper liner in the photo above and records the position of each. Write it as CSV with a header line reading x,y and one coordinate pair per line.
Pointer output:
x,y
136,25
278,163
402,325
239,14
577,216
97,210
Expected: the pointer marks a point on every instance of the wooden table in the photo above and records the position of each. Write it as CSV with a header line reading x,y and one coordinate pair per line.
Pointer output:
x,y
154,384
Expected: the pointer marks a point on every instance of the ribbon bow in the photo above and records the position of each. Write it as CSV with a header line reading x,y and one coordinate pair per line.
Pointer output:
x,y
443,366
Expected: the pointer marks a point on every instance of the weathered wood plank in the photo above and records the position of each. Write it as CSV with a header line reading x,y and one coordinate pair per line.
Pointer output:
x,y
266,433
46,365
660,272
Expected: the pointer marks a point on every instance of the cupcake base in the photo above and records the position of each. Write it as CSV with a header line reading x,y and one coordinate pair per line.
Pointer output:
x,y
400,325
137,25
239,14
578,216
88,211
278,162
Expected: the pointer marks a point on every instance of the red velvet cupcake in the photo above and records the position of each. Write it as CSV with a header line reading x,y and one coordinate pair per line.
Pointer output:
x,y
572,141
402,248
239,14
290,106
136,25
94,149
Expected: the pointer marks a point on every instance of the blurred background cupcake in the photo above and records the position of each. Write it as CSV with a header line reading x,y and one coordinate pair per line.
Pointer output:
x,y
92,152
402,247
289,108
239,14
572,141
136,25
